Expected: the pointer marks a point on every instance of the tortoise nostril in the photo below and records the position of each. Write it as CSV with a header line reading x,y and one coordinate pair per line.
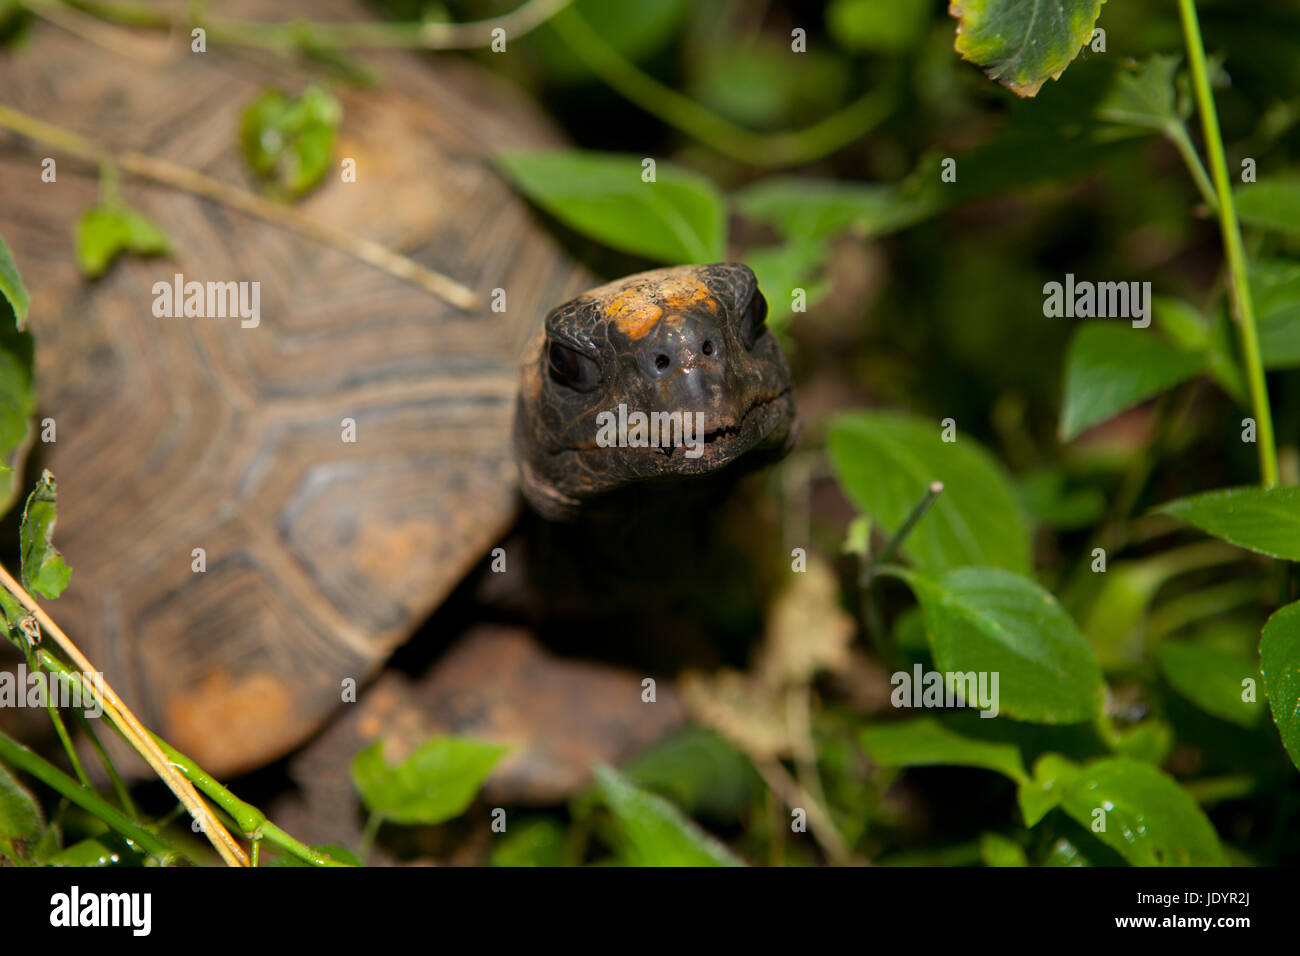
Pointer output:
x,y
707,347
661,362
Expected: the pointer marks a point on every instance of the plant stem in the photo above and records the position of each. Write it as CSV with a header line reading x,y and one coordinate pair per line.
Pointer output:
x,y
682,113
1239,284
19,756
1176,133
119,787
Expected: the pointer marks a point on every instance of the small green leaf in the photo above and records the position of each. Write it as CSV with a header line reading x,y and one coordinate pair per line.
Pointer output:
x,y
997,850
802,207
536,842
435,783
1023,43
20,814
43,567
1213,680
287,141
11,286
926,741
1279,655
1275,287
1148,818
879,27
1050,502
652,832
1272,204
1266,520
786,267
105,232
885,463
1053,774
1143,95
678,218
699,771
1111,368
990,621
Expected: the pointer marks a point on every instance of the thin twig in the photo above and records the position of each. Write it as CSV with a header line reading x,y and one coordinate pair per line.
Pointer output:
x,y
794,796
181,177
120,714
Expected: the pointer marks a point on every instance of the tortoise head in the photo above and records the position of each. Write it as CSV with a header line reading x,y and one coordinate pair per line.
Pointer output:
x,y
664,376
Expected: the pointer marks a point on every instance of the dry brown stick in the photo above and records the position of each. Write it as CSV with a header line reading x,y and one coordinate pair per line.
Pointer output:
x,y
172,174
793,795
121,715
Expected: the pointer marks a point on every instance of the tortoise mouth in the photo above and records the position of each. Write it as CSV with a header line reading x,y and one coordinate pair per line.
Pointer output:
x,y
725,443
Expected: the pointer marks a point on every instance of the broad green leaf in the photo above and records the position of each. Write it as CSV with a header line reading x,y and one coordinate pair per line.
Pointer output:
x,y
93,852
1212,679
20,814
926,741
435,783
699,771
997,850
652,832
43,567
1143,95
1023,43
1275,288
801,207
1189,331
885,463
12,288
1111,368
1038,796
784,268
1148,818
1272,204
990,621
105,232
17,394
875,26
1263,520
1279,655
536,842
287,141
678,218
1047,499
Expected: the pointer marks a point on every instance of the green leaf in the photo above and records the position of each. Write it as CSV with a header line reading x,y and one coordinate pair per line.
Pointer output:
x,y
652,832
1111,368
679,218
287,141
1263,520
634,30
44,570
1272,204
435,783
12,288
1021,43
1149,819
1275,288
988,620
93,852
1279,655
1211,679
997,850
1047,499
783,268
1143,95
802,207
698,771
874,26
536,842
17,394
885,463
20,814
105,232
749,81
926,741
1053,774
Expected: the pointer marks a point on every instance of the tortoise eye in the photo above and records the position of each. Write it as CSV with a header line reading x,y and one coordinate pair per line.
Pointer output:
x,y
751,323
571,368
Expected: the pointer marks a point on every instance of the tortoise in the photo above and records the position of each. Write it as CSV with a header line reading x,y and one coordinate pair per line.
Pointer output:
x,y
237,559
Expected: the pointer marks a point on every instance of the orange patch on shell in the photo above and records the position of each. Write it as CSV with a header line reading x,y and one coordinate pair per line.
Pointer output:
x,y
221,723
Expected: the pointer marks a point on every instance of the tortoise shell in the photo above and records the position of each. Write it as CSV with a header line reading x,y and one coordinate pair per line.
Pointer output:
x,y
318,554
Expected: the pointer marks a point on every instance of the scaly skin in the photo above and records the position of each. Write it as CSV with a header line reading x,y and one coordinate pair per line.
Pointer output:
x,y
687,339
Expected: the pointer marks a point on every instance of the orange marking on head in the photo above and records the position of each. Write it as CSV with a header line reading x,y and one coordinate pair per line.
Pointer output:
x,y
633,313
686,292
